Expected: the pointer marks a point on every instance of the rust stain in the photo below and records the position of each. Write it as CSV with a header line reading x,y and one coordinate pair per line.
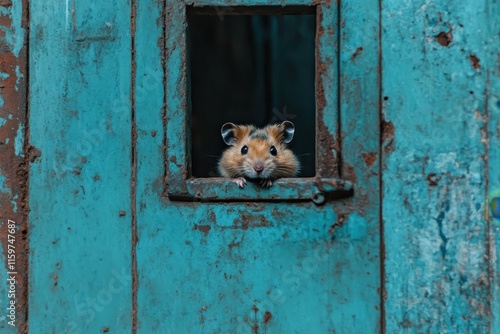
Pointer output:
x,y
105,329
327,143
203,228
474,61
15,168
387,130
388,136
444,38
357,52
267,317
255,327
247,221
173,159
433,179
369,158
55,279
339,223
349,173
234,244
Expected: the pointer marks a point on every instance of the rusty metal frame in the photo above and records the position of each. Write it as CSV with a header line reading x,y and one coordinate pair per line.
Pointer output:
x,y
179,183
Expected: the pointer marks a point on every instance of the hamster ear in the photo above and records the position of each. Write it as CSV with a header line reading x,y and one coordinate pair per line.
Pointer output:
x,y
288,130
228,134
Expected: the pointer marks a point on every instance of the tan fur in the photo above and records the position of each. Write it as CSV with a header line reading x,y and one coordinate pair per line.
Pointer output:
x,y
234,164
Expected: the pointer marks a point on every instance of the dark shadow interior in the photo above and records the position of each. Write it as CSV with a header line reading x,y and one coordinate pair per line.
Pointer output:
x,y
250,69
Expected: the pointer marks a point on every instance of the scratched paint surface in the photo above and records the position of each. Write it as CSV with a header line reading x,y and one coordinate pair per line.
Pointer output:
x,y
263,267
492,103
13,175
248,267
80,197
440,60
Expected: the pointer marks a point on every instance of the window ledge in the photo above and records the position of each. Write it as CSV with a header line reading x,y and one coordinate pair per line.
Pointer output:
x,y
291,189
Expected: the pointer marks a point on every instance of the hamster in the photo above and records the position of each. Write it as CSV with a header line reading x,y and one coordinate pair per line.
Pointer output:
x,y
258,154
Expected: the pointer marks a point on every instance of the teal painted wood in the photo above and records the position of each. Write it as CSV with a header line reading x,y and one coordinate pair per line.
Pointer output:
x,y
437,58
150,148
271,267
246,267
358,289
80,195
492,69
13,182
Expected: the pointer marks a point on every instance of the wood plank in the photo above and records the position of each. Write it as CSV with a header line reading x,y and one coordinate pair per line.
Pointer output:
x,y
358,287
434,86
150,148
13,167
243,267
80,196
492,68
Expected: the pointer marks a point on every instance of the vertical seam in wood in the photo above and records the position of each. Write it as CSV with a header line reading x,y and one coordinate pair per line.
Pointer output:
x,y
133,187
317,60
26,148
488,231
164,105
381,169
339,90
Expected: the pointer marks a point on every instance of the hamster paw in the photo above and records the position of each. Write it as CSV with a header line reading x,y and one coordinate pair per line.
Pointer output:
x,y
241,182
266,183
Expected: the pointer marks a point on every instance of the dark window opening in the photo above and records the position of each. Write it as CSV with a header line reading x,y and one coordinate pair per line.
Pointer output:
x,y
250,69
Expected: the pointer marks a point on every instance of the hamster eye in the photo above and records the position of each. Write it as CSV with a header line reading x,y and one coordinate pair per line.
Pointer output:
x,y
244,150
273,151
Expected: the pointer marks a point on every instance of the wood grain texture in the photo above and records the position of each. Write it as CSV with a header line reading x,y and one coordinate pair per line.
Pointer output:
x,y
435,87
80,197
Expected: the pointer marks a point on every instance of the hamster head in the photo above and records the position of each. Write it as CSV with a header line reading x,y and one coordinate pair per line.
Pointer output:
x,y
258,153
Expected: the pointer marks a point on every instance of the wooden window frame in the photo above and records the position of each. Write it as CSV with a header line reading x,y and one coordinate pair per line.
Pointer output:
x,y
326,183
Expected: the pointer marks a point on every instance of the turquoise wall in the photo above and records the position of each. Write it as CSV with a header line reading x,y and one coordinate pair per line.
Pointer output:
x,y
409,115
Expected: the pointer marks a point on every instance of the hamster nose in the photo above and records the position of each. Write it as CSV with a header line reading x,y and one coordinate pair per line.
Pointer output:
x,y
258,166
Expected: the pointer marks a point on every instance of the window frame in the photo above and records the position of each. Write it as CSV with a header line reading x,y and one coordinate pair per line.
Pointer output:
x,y
327,183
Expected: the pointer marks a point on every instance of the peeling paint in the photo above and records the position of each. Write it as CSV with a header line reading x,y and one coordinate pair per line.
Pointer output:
x,y
14,38
13,176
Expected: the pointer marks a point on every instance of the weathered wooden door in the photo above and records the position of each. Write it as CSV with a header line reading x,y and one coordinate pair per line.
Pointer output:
x,y
112,198
396,232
